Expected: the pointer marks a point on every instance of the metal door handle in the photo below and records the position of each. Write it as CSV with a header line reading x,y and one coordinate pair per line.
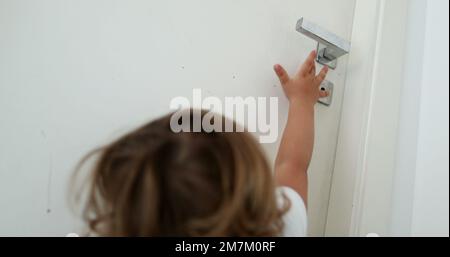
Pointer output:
x,y
329,46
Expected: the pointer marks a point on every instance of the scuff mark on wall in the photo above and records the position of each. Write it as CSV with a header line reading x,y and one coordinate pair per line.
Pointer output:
x,y
50,173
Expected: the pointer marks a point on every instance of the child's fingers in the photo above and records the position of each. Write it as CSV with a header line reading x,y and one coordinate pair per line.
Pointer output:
x,y
308,65
313,69
281,73
322,74
323,93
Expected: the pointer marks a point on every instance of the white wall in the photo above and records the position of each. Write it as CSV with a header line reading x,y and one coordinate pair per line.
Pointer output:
x,y
421,184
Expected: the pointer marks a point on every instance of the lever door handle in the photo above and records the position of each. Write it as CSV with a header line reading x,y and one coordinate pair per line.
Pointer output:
x,y
329,46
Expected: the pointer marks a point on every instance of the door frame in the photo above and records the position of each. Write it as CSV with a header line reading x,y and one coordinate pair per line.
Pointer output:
x,y
361,186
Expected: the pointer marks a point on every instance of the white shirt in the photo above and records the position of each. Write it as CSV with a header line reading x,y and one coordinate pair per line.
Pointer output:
x,y
295,219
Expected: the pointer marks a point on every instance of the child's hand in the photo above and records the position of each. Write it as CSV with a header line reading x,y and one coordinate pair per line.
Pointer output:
x,y
304,87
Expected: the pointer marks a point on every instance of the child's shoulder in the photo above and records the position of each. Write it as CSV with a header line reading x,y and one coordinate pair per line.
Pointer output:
x,y
295,219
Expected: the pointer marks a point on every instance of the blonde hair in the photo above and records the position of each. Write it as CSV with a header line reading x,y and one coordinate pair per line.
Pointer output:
x,y
154,182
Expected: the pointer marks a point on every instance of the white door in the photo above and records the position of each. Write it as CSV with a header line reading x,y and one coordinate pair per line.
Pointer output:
x,y
76,74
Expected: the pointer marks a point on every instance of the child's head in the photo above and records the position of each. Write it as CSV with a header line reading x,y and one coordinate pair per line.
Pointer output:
x,y
154,182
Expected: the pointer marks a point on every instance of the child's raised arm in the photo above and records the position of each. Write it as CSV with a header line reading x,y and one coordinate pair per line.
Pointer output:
x,y
294,154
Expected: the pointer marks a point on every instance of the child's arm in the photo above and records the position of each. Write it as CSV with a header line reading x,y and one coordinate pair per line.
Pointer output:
x,y
294,154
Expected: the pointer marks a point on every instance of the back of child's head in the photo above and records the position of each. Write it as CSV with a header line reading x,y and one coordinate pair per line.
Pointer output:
x,y
155,182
